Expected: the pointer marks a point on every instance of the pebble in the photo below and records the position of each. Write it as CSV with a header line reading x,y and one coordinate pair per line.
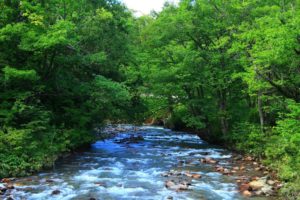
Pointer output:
x,y
271,182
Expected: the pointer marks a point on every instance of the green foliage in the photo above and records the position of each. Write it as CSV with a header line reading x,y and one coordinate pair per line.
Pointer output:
x,y
11,74
109,98
229,69
247,138
59,77
283,147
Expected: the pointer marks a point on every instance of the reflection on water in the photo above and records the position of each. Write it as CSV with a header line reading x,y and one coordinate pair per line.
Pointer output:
x,y
112,170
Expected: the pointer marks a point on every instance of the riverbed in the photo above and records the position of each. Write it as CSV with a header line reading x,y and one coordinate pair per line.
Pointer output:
x,y
117,169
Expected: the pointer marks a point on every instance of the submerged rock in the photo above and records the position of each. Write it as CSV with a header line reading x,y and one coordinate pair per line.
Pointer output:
x,y
169,184
49,181
131,139
177,186
208,160
101,184
55,192
196,176
10,186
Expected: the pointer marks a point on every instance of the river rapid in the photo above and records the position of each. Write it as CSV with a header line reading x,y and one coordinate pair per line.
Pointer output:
x,y
118,170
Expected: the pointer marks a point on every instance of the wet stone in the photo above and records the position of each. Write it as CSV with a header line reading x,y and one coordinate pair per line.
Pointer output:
x,y
10,186
55,192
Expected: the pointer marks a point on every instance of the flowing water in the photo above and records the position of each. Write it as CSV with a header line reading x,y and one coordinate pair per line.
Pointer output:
x,y
112,170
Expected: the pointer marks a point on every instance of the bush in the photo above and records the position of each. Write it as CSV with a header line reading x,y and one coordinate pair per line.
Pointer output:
x,y
283,150
248,138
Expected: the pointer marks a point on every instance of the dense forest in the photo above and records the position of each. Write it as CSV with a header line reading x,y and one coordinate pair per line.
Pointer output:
x,y
229,70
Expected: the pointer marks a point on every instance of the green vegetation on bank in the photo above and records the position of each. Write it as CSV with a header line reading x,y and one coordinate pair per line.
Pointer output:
x,y
59,77
229,69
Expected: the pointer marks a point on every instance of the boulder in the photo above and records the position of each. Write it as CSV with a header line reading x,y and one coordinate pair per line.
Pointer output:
x,y
208,160
267,190
10,186
247,193
181,187
270,182
188,174
244,187
226,172
169,184
55,192
257,185
177,186
220,169
196,176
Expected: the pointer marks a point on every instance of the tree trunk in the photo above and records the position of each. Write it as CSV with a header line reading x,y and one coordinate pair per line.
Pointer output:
x,y
222,107
260,111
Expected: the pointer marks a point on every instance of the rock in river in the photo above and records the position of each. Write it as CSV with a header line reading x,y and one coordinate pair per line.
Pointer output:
x,y
257,185
56,192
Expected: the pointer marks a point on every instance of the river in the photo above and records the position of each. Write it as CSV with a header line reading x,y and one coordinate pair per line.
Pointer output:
x,y
116,170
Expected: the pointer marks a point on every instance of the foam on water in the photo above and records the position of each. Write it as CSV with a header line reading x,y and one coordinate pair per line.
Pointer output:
x,y
124,191
86,177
